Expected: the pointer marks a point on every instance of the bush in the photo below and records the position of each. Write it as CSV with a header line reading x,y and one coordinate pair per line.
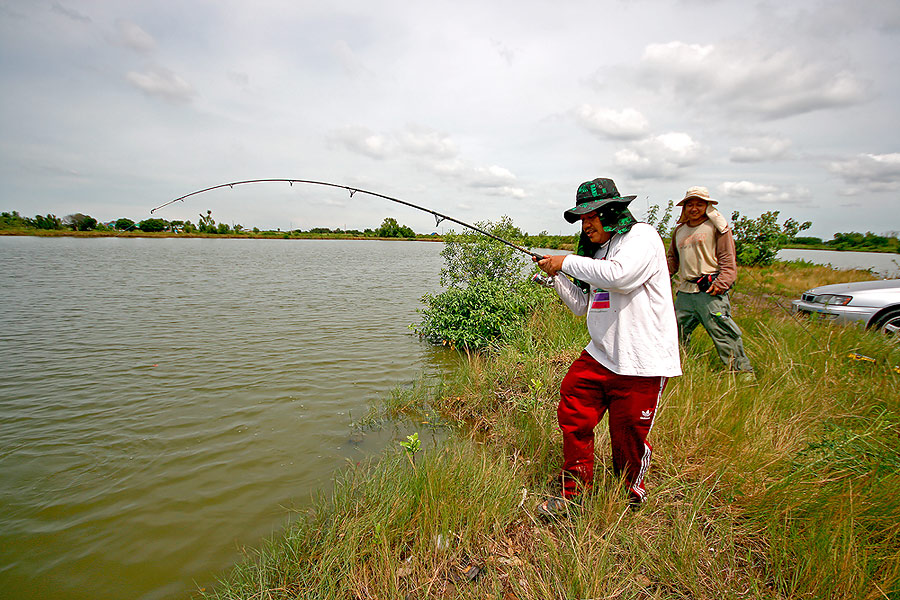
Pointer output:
x,y
478,315
757,241
661,222
471,256
488,295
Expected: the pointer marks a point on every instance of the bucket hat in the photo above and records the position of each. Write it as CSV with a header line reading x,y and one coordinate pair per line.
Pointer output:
x,y
594,195
699,192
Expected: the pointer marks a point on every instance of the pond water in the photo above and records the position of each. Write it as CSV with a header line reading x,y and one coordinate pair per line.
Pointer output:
x,y
882,264
166,402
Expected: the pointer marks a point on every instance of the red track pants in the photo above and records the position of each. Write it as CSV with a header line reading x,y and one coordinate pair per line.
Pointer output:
x,y
588,391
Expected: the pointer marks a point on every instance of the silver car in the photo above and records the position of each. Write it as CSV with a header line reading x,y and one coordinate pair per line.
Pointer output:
x,y
876,304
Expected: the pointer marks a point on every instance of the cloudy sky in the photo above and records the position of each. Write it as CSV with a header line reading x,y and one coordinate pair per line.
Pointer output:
x,y
474,109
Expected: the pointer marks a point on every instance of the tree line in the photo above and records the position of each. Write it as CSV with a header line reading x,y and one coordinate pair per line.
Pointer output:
x,y
866,242
757,241
389,228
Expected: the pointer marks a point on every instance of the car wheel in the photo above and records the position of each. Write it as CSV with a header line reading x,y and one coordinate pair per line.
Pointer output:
x,y
889,323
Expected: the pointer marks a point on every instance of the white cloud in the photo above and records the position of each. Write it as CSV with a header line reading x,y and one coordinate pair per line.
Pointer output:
x,y
874,172
746,188
752,80
361,140
433,150
492,176
163,83
132,36
660,156
760,149
414,141
766,194
493,180
421,141
627,124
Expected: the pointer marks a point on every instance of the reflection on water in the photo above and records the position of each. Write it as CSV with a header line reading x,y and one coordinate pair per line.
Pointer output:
x,y
162,402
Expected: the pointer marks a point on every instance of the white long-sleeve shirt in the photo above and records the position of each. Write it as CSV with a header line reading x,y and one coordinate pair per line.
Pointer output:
x,y
630,314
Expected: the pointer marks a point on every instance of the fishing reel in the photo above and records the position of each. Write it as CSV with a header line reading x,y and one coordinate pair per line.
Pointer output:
x,y
543,279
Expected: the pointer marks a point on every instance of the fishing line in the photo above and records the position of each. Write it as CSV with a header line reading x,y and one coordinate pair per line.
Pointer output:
x,y
438,217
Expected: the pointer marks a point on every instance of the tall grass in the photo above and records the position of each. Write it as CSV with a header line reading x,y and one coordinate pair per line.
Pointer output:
x,y
786,488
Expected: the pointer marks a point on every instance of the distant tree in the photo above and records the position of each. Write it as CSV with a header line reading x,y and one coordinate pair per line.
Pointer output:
x,y
391,229
207,224
80,222
757,241
807,241
223,228
46,222
124,224
859,241
13,221
152,225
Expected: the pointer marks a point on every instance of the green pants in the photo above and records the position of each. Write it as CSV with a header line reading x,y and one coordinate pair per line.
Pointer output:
x,y
714,312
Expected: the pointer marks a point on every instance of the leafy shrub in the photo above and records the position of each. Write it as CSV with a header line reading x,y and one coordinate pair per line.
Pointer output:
x,y
661,223
471,256
476,316
757,241
487,296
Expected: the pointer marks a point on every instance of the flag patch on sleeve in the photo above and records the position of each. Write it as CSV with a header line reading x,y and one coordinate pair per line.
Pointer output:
x,y
601,300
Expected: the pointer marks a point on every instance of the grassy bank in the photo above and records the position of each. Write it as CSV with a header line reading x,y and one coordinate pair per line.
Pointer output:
x,y
789,488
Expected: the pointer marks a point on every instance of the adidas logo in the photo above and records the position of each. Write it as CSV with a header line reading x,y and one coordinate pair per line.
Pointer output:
x,y
645,414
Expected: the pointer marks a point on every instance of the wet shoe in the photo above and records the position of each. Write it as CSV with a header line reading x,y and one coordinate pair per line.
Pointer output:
x,y
556,507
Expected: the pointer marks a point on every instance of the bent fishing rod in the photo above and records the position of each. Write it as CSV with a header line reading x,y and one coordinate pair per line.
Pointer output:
x,y
438,217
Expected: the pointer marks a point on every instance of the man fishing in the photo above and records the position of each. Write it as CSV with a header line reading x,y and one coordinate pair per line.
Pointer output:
x,y
702,254
622,284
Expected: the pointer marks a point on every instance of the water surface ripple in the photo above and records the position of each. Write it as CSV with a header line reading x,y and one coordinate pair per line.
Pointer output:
x,y
164,401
